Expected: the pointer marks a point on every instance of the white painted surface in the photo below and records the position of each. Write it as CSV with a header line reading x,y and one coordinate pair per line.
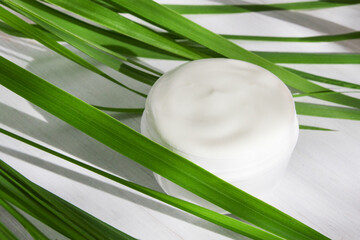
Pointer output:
x,y
321,187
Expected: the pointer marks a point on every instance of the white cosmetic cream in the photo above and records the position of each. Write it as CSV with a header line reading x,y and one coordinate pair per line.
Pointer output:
x,y
233,118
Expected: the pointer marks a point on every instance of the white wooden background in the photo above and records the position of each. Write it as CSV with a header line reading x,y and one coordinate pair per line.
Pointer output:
x,y
322,185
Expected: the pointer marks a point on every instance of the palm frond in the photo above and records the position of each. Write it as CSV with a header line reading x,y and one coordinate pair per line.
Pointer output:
x,y
118,43
128,142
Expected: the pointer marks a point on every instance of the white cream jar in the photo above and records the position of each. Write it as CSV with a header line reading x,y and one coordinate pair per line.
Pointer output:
x,y
233,118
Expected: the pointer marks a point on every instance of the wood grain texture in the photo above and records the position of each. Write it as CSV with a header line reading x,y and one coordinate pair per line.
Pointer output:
x,y
321,187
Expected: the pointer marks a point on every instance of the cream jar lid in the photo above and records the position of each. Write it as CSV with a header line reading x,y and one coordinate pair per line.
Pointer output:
x,y
222,114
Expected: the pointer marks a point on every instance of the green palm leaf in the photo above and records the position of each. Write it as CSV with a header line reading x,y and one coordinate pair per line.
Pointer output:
x,y
112,109
319,110
321,38
311,58
304,127
285,57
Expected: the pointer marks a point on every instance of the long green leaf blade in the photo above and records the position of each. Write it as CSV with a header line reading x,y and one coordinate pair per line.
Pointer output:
x,y
281,57
319,110
297,57
321,38
320,93
112,109
305,127
34,232
153,156
311,58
